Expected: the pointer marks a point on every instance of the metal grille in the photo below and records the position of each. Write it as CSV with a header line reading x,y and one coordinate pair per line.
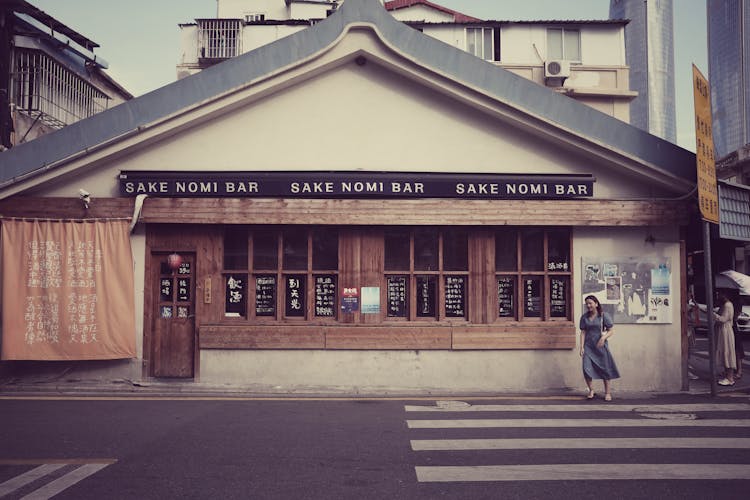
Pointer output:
x,y
50,92
219,38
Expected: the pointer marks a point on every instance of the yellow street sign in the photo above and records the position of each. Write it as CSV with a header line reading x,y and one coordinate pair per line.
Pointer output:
x,y
708,197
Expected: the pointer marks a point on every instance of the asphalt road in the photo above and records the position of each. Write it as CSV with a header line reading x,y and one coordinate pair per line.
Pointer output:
x,y
383,449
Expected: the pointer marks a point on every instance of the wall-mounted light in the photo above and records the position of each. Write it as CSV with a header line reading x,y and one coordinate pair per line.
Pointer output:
x,y
85,198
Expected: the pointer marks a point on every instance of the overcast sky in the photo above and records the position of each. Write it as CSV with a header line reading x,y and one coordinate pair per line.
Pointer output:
x,y
140,38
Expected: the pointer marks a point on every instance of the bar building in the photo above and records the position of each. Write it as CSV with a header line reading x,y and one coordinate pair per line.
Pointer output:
x,y
360,207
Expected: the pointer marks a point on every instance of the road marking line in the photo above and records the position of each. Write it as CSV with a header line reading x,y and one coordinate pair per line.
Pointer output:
x,y
585,472
62,483
667,408
577,443
28,477
582,422
64,461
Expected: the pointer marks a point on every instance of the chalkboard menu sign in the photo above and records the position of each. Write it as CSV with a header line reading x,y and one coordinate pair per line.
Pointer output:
x,y
532,295
426,294
397,293
506,292
165,289
235,296
183,289
325,295
558,297
294,305
455,296
265,296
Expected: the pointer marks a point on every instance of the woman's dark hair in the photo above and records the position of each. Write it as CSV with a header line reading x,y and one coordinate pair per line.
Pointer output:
x,y
595,301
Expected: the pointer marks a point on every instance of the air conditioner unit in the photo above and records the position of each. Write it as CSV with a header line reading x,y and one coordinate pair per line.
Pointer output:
x,y
557,69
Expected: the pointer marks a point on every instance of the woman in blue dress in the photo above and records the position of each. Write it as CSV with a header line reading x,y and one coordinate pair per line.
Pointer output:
x,y
598,363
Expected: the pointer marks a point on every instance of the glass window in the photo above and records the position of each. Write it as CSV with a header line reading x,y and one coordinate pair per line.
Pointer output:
x,y
398,295
532,249
295,249
397,249
426,250
558,250
564,43
265,295
236,296
265,249
235,248
480,42
325,244
455,296
535,288
506,249
455,250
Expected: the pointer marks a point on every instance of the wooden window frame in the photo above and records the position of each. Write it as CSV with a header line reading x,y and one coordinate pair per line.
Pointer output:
x,y
281,274
546,275
440,275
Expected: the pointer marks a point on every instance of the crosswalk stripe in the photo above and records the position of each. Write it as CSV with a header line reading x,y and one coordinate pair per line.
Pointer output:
x,y
574,472
576,443
53,488
638,408
29,477
646,422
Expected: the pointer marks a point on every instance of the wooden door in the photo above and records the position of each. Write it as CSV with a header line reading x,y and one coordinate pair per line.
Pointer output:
x,y
174,317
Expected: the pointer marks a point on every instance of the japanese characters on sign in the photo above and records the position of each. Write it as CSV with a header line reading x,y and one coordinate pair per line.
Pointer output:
x,y
532,294
558,297
708,198
325,295
397,292
50,267
426,294
236,300
455,298
265,295
294,305
506,291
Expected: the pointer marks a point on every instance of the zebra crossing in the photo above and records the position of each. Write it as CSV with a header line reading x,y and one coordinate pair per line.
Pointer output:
x,y
45,480
439,432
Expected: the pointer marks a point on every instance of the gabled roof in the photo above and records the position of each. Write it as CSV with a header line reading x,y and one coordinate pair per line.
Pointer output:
x,y
547,109
402,4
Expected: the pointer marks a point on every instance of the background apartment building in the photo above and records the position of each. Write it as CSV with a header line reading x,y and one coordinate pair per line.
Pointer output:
x,y
49,75
584,59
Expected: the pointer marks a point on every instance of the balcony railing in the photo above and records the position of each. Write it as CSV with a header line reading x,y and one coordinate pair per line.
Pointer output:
x,y
49,92
219,38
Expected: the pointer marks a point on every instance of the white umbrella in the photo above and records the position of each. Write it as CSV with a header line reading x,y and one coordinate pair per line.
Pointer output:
x,y
733,280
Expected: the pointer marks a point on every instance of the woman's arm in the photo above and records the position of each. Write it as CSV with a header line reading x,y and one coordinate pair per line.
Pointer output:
x,y
726,314
605,335
583,339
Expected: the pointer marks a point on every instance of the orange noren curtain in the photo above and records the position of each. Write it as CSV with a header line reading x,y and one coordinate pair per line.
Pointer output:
x,y
68,291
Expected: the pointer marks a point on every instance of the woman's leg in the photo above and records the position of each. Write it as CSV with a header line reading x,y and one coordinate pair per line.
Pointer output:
x,y
588,383
607,394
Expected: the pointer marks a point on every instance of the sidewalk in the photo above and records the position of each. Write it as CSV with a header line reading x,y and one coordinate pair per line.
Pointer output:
x,y
698,365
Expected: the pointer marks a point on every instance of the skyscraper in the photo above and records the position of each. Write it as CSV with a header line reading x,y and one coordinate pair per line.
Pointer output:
x,y
649,49
729,73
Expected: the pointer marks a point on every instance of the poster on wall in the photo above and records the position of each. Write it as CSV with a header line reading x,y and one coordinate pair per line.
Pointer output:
x,y
630,289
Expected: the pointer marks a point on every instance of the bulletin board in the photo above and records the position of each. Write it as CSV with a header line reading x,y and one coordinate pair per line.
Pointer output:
x,y
630,289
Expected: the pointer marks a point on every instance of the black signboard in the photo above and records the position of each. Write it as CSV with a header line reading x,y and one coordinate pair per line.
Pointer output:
x,y
294,303
426,294
325,295
455,296
183,289
165,289
532,295
558,297
355,185
235,297
265,296
397,293
506,292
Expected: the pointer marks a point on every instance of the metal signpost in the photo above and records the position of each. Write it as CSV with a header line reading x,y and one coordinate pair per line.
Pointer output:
x,y
708,199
